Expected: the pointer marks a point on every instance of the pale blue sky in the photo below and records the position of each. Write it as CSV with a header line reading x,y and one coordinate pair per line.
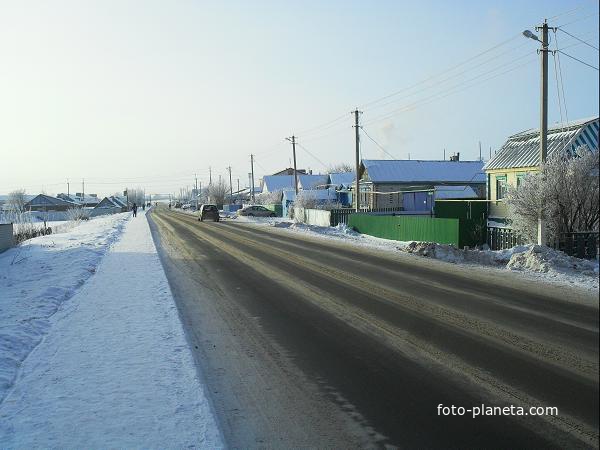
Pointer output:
x,y
147,93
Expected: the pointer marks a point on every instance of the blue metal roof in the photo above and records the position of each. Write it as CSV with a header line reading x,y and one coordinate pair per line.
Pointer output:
x,y
272,183
454,192
523,149
341,180
312,181
423,172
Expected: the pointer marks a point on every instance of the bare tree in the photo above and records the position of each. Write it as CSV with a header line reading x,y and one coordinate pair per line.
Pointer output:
x,y
217,192
564,192
340,168
16,200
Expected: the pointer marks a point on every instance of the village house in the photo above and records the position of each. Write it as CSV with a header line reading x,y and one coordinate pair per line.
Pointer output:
x,y
520,155
410,184
47,203
80,199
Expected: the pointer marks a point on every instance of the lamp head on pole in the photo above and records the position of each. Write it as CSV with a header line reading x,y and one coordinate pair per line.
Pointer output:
x,y
530,35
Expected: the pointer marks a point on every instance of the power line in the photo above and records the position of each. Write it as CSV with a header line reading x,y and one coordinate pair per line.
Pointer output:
x,y
454,89
377,143
568,12
575,37
307,151
385,97
576,59
595,14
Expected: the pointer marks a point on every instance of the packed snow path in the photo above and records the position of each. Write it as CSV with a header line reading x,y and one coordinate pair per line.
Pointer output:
x,y
115,369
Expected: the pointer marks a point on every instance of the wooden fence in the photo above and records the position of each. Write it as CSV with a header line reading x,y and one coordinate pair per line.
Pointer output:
x,y
503,238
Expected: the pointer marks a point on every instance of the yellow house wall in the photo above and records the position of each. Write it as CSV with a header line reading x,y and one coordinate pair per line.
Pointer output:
x,y
498,208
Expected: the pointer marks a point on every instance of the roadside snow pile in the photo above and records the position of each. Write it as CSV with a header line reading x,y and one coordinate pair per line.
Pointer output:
x,y
115,370
547,260
37,276
530,258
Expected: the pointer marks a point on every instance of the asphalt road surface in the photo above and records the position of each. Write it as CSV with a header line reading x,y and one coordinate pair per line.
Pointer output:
x,y
304,342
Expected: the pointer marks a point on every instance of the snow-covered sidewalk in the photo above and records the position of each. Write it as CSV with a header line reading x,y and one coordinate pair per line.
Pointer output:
x,y
115,369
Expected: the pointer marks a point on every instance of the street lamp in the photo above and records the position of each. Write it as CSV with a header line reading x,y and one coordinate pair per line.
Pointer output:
x,y
530,35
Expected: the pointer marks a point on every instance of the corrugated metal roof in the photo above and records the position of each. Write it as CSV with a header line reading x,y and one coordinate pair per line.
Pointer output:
x,y
317,194
312,181
428,172
454,192
522,149
46,200
341,180
272,183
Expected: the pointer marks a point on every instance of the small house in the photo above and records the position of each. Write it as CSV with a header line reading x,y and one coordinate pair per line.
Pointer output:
x,y
387,183
46,203
520,155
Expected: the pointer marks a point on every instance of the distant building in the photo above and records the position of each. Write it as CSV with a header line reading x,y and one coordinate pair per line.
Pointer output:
x,y
388,183
113,204
273,183
44,202
87,200
306,182
289,171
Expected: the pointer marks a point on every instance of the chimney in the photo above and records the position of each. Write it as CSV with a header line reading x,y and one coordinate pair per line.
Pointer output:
x,y
455,157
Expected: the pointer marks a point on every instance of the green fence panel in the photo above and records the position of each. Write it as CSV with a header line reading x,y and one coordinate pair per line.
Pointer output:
x,y
407,228
460,210
277,208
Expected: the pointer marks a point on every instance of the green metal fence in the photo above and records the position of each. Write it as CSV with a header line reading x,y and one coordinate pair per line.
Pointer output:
x,y
458,232
277,208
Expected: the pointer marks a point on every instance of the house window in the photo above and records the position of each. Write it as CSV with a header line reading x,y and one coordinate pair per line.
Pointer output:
x,y
520,177
501,187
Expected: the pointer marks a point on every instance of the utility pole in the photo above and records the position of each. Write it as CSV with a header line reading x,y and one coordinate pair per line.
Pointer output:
x,y
230,185
480,156
209,176
238,186
444,154
252,200
293,141
68,189
196,178
543,119
83,192
356,112
544,50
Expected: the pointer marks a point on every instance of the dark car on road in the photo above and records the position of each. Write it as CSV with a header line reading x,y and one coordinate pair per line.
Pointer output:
x,y
209,212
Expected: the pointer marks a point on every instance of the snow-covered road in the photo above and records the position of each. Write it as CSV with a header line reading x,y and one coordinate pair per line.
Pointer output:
x,y
114,369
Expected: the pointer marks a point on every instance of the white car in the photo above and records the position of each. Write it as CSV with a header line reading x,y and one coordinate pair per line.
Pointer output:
x,y
256,211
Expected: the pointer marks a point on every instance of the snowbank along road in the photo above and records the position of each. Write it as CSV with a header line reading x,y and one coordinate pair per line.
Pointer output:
x,y
307,343
114,369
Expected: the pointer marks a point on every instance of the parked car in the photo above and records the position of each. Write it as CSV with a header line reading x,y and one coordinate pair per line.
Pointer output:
x,y
256,211
210,212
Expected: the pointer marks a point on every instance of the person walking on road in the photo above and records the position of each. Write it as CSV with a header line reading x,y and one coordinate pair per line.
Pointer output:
x,y
134,207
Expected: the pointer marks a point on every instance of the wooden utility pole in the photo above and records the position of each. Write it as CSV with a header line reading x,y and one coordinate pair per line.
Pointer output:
x,y
230,185
252,179
356,112
293,141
